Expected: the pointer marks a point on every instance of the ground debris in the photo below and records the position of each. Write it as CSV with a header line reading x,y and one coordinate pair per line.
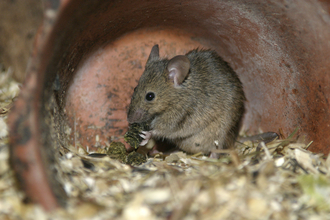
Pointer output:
x,y
277,180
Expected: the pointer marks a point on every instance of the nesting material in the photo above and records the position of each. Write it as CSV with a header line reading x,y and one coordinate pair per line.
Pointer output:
x,y
117,151
277,180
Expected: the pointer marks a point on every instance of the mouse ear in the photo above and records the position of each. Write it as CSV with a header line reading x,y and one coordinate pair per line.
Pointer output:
x,y
154,54
178,68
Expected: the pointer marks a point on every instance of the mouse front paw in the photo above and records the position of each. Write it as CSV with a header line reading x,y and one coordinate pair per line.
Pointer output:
x,y
146,135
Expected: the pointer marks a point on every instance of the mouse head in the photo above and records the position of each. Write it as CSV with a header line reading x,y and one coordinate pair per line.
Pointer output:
x,y
158,87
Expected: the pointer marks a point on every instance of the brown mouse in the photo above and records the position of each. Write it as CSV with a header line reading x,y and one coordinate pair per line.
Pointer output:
x,y
195,101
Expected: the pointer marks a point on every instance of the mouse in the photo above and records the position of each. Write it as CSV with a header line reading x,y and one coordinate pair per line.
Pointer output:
x,y
195,101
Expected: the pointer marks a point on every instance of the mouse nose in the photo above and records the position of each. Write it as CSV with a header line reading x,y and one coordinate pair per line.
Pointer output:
x,y
135,116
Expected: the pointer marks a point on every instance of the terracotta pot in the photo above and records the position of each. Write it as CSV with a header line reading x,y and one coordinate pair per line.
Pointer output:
x,y
88,56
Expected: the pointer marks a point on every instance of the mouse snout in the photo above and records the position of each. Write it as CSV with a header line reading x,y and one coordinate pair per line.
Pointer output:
x,y
136,116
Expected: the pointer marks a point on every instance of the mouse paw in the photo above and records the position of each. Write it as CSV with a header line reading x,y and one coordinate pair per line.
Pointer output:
x,y
146,135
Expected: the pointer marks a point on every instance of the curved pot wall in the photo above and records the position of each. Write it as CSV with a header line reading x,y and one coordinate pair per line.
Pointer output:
x,y
89,54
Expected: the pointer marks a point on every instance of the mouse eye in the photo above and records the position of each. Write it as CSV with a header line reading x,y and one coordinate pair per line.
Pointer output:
x,y
150,96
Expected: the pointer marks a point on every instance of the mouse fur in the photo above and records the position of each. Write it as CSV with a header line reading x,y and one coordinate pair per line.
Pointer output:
x,y
195,101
